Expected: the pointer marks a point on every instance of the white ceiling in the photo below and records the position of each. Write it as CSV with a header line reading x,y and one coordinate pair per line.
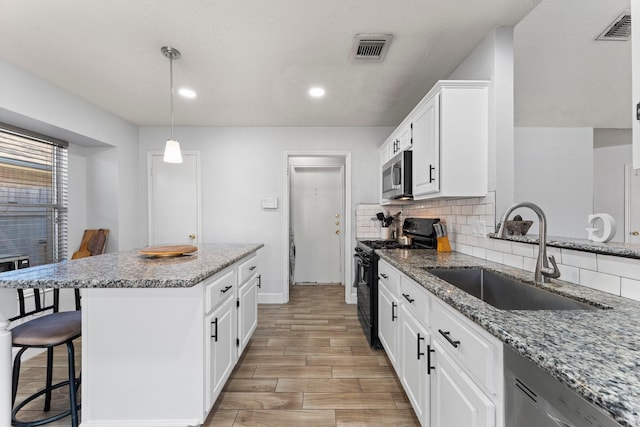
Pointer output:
x,y
563,76
251,61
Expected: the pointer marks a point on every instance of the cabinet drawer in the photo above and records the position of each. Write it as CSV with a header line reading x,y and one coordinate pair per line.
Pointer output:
x,y
416,299
473,348
390,275
248,269
223,285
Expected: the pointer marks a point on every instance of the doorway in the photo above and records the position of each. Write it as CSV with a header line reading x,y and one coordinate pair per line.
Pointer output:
x,y
317,226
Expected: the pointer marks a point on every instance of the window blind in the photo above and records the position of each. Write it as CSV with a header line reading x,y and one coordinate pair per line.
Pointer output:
x,y
33,196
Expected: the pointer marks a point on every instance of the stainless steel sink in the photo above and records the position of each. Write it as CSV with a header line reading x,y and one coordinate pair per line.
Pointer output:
x,y
505,293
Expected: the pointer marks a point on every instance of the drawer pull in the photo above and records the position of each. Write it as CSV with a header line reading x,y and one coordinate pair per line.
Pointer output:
x,y
419,352
226,289
259,280
253,267
215,334
408,298
448,338
393,311
429,367
384,276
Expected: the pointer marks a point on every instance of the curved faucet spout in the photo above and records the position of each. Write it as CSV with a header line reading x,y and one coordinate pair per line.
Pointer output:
x,y
543,272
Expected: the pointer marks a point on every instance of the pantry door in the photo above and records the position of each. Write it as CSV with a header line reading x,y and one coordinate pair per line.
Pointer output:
x,y
174,200
632,205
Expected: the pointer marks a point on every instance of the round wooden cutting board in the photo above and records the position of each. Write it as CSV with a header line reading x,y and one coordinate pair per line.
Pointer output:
x,y
173,250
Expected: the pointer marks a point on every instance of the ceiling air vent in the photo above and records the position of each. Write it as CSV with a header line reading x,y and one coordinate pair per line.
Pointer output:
x,y
370,47
618,30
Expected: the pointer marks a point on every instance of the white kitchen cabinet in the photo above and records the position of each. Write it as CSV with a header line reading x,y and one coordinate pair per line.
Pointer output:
x,y
413,354
450,141
220,351
456,401
388,323
450,368
247,312
247,301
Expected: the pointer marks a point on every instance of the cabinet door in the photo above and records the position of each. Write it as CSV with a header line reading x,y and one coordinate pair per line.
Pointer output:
x,y
221,349
405,138
455,399
388,322
426,148
413,363
247,312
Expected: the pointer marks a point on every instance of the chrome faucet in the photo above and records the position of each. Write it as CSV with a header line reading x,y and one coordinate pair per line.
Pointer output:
x,y
543,272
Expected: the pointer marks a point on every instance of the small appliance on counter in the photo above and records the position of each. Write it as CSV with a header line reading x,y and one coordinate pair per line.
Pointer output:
x,y
13,262
423,236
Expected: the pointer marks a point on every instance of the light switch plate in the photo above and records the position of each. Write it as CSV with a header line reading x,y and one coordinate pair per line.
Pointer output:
x,y
269,202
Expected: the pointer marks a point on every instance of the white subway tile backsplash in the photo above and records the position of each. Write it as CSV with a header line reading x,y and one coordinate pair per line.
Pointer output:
x,y
523,249
513,260
495,256
585,260
529,264
600,281
624,267
479,252
502,246
569,274
630,289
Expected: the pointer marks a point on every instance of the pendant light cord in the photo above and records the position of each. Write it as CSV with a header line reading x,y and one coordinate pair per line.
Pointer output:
x,y
171,83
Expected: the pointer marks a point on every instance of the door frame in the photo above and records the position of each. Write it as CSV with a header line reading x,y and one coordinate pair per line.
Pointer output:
x,y
347,241
628,170
150,155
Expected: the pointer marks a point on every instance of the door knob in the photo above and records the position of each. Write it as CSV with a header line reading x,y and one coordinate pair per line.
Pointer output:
x,y
337,215
192,236
635,233
337,231
337,222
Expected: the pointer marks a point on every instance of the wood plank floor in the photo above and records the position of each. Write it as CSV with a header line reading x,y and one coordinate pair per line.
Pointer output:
x,y
308,364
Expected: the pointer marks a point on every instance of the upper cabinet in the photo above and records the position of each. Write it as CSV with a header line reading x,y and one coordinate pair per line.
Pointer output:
x,y
448,132
450,141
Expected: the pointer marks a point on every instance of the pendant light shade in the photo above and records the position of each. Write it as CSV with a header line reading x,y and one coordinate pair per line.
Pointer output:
x,y
172,153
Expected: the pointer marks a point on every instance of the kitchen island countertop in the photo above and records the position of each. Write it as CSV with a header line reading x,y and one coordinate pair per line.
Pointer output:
x,y
130,269
596,353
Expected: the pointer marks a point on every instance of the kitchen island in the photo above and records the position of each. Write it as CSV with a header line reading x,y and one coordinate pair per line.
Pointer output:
x,y
595,353
159,335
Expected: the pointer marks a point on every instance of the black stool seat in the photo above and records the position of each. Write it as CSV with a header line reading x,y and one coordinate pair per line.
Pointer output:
x,y
48,330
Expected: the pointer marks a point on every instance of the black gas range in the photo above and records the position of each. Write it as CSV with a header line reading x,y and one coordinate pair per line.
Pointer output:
x,y
366,270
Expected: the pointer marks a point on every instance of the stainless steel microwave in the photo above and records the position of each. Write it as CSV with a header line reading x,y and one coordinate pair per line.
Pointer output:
x,y
396,177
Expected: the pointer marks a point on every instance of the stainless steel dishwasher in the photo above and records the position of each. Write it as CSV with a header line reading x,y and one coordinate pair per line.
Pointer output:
x,y
536,399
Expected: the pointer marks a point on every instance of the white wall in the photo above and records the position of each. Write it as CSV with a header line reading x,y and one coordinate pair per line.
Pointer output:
x,y
241,165
492,60
34,104
554,169
77,214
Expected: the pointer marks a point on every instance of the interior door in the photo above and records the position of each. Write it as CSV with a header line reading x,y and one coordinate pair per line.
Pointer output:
x,y
174,200
317,224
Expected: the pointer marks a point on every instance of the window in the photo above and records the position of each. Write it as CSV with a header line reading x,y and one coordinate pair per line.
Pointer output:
x,y
33,196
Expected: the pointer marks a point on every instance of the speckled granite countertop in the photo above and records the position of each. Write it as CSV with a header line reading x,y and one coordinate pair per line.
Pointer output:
x,y
627,250
129,269
596,353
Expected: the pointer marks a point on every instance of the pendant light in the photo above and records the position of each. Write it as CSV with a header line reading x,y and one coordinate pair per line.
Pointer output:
x,y
172,153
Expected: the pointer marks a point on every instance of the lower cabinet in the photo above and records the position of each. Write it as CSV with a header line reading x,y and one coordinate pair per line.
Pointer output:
x,y
449,367
413,356
221,351
456,399
247,312
388,323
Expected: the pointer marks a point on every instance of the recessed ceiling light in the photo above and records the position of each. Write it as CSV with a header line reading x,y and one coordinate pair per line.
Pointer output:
x,y
317,92
187,93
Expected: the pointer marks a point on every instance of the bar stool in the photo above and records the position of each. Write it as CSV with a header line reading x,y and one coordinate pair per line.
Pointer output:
x,y
47,331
